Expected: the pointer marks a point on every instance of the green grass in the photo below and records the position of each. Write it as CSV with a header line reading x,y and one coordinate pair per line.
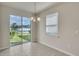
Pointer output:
x,y
16,38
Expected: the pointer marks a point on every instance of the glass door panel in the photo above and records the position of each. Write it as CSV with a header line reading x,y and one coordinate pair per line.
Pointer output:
x,y
26,29
20,30
15,27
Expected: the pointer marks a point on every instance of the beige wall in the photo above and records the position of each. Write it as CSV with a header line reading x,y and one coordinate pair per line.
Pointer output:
x,y
68,37
4,24
0,28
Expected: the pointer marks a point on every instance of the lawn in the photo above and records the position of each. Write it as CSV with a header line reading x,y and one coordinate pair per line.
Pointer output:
x,y
17,38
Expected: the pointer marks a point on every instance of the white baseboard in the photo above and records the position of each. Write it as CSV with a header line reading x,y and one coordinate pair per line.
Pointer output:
x,y
67,53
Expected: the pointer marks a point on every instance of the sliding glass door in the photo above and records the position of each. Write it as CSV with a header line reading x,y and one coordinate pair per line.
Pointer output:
x,y
20,30
26,29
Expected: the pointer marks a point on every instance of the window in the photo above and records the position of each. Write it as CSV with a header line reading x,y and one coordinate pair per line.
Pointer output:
x,y
20,30
52,24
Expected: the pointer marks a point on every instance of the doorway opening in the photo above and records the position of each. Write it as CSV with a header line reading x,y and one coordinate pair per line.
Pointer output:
x,y
20,30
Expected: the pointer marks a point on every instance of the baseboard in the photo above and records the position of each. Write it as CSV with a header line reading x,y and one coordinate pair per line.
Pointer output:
x,y
4,48
65,52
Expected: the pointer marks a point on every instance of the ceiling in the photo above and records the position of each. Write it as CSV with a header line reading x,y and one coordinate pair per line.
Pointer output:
x,y
29,6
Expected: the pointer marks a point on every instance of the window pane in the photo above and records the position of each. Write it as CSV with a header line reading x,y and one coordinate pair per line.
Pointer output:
x,y
26,24
51,30
26,21
52,19
52,23
26,29
15,34
14,19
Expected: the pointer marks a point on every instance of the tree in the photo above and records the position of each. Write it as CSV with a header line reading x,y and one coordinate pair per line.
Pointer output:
x,y
29,31
14,26
13,29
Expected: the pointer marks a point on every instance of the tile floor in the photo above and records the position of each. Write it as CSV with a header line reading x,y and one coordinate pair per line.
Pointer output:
x,y
31,49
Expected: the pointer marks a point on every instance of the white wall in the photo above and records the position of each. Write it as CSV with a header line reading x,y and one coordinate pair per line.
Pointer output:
x,y
68,38
4,24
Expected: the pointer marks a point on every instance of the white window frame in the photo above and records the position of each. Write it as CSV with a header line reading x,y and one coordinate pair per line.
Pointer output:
x,y
51,24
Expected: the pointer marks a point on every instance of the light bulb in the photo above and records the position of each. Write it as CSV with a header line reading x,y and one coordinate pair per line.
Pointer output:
x,y
38,19
32,18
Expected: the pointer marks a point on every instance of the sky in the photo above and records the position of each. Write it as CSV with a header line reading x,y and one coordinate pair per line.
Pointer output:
x,y
17,20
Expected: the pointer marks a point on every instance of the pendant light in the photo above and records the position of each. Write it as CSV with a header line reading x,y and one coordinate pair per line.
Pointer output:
x,y
35,18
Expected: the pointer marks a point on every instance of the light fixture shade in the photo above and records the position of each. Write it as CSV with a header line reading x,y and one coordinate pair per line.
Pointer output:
x,y
32,18
38,18
35,19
